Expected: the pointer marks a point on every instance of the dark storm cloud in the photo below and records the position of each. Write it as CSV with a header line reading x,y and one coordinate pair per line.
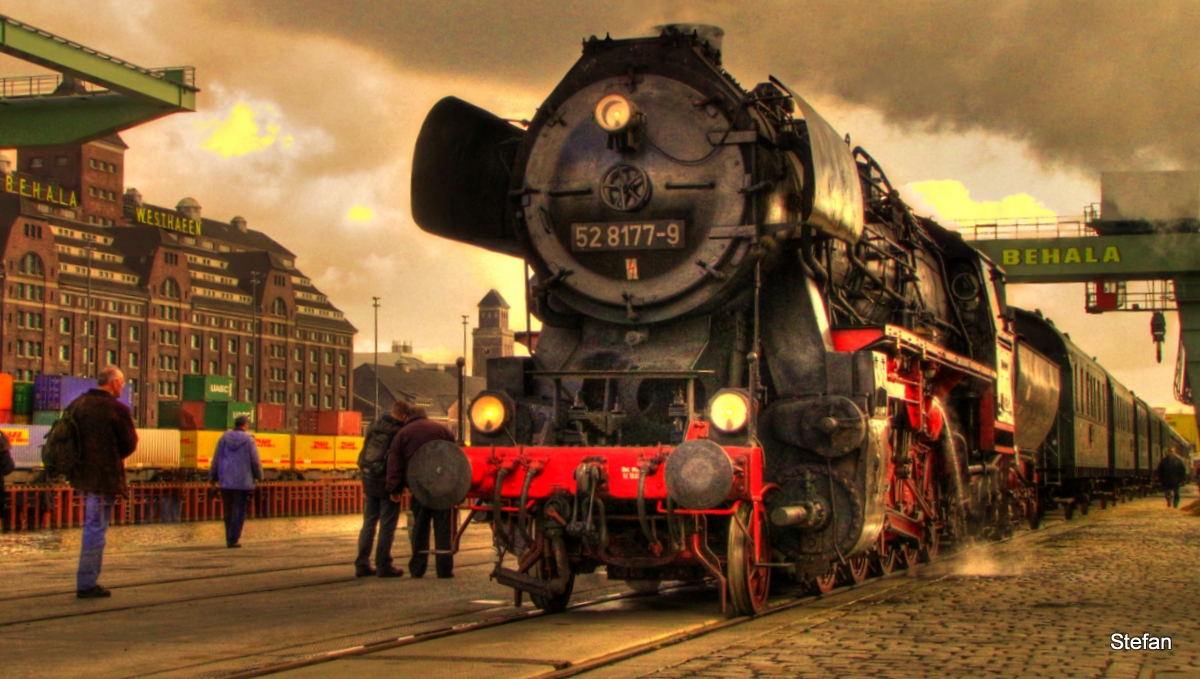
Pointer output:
x,y
1095,85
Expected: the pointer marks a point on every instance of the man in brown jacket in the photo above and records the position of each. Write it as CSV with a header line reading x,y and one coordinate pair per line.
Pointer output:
x,y
106,437
419,430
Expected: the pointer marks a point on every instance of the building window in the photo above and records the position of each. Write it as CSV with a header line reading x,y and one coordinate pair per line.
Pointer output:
x,y
64,353
328,358
342,381
195,367
232,372
328,380
213,368
249,372
312,400
328,401
342,359
212,343
299,377
133,333
195,341
35,163
110,357
341,403
31,265
170,288
233,346
64,324
112,331
312,378
299,354
249,395
133,359
296,399
312,355
278,307
249,348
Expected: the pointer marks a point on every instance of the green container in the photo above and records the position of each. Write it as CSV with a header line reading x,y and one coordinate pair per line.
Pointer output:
x,y
218,415
46,416
168,415
22,398
207,388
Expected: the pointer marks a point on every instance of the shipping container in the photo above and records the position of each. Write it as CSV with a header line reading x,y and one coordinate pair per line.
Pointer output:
x,y
26,442
274,450
270,417
168,415
196,448
55,392
6,391
46,416
307,422
315,452
210,414
156,449
348,448
207,388
339,423
23,398
6,417
126,396
22,418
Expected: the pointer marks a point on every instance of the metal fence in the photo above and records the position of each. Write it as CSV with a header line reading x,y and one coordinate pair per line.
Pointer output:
x,y
33,507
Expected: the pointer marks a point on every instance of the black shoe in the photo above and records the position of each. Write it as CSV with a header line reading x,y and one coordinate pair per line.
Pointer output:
x,y
391,572
363,571
93,592
445,577
236,545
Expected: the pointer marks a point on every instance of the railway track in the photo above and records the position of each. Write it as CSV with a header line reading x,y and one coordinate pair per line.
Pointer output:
x,y
568,668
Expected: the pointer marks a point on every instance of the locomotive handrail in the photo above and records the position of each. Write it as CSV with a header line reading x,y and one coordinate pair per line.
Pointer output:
x,y
616,374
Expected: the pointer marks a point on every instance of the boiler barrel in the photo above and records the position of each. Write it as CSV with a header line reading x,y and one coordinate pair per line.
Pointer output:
x,y
1036,394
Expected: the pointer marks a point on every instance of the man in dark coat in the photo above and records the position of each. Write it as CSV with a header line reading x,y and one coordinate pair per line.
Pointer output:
x,y
1172,473
6,468
106,437
236,466
419,430
378,506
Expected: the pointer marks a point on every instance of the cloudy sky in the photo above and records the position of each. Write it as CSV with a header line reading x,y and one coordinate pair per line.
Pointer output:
x,y
310,110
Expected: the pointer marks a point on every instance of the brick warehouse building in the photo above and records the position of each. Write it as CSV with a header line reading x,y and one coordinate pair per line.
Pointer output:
x,y
170,293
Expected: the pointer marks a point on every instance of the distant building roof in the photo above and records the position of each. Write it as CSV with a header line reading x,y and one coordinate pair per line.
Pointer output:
x,y
493,300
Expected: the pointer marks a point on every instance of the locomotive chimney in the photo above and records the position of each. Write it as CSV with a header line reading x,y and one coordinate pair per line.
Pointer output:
x,y
704,33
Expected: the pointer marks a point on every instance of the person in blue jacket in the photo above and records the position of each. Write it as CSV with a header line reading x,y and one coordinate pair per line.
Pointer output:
x,y
235,467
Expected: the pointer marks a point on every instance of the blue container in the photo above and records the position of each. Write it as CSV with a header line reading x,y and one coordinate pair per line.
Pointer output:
x,y
55,392
127,396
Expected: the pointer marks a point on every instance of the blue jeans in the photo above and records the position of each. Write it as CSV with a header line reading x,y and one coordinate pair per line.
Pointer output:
x,y
1172,496
234,503
97,513
385,513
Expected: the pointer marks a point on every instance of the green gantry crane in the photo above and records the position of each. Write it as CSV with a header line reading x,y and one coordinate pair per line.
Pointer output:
x,y
1140,251
96,95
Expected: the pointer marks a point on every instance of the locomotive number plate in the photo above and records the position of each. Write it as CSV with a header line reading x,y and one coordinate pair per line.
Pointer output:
x,y
663,234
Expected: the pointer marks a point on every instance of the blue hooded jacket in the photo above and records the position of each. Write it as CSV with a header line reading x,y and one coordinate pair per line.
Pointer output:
x,y
236,465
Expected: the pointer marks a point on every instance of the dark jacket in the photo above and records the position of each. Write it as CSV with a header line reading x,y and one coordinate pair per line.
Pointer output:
x,y
1171,471
6,466
235,464
106,437
417,432
389,426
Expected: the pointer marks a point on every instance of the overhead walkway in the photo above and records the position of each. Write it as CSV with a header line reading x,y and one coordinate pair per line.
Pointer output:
x,y
96,94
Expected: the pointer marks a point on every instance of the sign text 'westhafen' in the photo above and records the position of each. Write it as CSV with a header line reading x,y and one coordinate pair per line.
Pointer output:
x,y
167,220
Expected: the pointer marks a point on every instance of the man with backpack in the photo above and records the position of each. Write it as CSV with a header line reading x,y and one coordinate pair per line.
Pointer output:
x,y
378,507
105,436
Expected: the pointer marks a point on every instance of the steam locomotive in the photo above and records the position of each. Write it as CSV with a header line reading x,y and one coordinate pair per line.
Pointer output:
x,y
754,357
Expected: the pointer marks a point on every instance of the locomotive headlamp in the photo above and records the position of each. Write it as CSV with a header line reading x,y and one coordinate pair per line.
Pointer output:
x,y
489,411
729,410
615,113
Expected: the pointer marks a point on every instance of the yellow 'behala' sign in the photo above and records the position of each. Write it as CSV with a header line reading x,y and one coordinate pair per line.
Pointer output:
x,y
1051,256
167,220
39,191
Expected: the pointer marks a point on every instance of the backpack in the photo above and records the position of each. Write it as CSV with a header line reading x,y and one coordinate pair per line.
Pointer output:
x,y
372,459
60,452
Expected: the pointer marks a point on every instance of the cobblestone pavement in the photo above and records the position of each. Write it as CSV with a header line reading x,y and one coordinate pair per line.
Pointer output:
x,y
1042,606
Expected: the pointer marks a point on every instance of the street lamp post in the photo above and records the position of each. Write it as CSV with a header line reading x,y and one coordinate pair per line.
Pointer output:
x,y
464,340
375,304
87,323
255,383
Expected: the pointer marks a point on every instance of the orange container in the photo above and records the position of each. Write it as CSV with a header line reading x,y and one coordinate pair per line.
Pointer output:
x,y
339,423
6,389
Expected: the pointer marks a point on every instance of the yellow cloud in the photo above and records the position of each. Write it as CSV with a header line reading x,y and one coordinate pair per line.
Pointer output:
x,y
952,201
361,213
238,134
